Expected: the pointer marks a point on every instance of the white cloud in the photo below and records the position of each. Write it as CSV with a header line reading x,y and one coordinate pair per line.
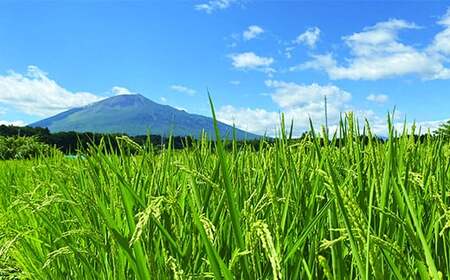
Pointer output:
x,y
428,125
183,89
121,91
301,103
251,61
309,37
35,94
290,95
380,127
14,123
235,82
214,5
378,98
252,32
441,42
163,99
378,53
180,108
257,120
288,52
298,102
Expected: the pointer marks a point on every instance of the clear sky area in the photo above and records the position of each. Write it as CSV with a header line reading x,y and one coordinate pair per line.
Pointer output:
x,y
256,58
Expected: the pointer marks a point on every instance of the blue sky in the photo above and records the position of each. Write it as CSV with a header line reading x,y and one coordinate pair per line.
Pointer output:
x,y
257,58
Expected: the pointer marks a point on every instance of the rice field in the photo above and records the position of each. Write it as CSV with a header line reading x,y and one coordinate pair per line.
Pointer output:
x,y
309,209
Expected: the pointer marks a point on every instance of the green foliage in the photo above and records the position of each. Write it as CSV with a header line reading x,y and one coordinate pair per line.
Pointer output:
x,y
444,130
69,142
353,208
22,147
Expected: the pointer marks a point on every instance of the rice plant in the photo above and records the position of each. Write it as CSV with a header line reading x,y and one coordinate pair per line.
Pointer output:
x,y
342,207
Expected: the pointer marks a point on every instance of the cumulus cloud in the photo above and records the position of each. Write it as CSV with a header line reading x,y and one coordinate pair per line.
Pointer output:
x,y
380,128
251,61
252,32
298,102
377,98
254,120
288,52
441,42
34,93
183,89
301,103
288,95
121,91
378,53
309,37
213,5
426,126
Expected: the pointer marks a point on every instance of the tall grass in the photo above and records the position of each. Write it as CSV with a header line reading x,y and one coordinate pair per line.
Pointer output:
x,y
309,209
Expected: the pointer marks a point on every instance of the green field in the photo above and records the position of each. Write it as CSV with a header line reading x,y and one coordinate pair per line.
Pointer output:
x,y
348,209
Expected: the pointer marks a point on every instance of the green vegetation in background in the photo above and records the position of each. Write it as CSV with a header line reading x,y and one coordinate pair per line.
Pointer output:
x,y
22,148
69,142
444,130
353,208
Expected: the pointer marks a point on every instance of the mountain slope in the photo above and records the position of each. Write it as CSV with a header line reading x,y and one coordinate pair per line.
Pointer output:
x,y
135,115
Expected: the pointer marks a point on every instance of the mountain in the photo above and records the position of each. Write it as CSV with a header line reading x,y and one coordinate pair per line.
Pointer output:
x,y
135,115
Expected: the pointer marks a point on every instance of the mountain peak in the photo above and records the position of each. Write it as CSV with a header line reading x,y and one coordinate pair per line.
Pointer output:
x,y
124,100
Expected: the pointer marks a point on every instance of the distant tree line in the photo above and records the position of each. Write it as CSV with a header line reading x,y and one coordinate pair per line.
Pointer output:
x,y
444,130
70,142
